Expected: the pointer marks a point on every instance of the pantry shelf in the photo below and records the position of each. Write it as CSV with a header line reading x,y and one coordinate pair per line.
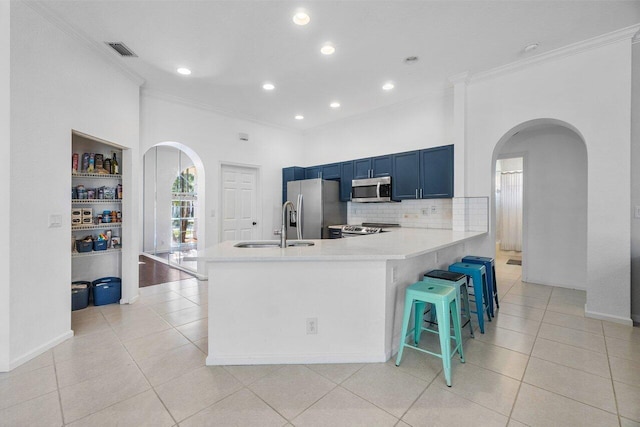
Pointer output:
x,y
100,226
96,175
94,253
87,201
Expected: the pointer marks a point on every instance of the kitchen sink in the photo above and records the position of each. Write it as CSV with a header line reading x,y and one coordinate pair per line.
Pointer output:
x,y
273,244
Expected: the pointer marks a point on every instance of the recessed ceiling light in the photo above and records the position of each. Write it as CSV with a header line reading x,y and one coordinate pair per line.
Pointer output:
x,y
301,18
268,86
334,105
327,49
388,86
531,47
299,117
184,71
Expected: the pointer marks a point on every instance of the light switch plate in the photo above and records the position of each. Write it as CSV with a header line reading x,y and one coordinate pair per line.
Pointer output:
x,y
637,214
55,220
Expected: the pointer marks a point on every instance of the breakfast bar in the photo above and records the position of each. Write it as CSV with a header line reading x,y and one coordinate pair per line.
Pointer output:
x,y
337,301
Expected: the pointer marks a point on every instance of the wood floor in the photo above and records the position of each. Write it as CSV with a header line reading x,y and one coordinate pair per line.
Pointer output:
x,y
153,272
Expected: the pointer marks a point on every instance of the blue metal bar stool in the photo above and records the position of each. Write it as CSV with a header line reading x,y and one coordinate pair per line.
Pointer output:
x,y
490,266
443,298
458,281
478,276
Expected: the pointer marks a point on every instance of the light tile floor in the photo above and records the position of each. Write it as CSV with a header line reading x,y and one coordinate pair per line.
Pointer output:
x,y
540,362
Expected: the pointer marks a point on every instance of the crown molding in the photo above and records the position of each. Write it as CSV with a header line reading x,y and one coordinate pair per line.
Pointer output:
x,y
174,99
459,78
43,9
628,33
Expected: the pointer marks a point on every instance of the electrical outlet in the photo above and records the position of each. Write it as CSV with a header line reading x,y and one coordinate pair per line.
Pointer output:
x,y
425,212
312,325
434,209
637,215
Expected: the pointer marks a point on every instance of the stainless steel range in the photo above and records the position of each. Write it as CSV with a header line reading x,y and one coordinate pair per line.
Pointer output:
x,y
358,230
364,229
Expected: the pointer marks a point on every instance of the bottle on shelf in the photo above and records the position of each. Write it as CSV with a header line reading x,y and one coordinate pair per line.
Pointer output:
x,y
115,170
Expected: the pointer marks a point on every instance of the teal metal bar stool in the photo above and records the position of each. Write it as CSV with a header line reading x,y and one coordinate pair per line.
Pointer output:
x,y
490,266
443,298
459,282
478,276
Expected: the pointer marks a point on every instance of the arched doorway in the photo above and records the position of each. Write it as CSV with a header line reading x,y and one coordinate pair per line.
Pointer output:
x,y
173,194
554,201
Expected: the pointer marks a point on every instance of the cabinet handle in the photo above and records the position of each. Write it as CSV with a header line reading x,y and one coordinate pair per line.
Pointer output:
x,y
416,193
421,193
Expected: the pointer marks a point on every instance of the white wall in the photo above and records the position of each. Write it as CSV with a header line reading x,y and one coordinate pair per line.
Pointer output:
x,y
57,84
420,123
214,138
635,184
589,90
5,175
554,204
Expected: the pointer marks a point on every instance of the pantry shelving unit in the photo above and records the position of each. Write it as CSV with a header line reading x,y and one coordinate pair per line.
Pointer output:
x,y
95,264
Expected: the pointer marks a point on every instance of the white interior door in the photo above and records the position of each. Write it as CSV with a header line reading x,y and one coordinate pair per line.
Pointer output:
x,y
239,203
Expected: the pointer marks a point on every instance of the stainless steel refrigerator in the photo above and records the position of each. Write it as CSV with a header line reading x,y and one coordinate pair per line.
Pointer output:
x,y
317,206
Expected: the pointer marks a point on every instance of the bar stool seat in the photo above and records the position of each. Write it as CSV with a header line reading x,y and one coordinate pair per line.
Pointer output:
x,y
443,299
490,266
478,276
459,282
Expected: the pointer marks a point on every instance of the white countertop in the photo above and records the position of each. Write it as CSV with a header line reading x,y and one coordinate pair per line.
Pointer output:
x,y
401,243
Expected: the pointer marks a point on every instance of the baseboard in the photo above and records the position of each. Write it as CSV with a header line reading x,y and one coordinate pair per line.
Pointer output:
x,y
39,350
601,316
295,359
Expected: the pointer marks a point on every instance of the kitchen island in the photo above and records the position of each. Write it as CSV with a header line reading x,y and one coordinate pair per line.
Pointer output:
x,y
338,301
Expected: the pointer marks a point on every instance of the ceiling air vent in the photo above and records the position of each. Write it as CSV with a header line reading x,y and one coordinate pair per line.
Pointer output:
x,y
122,49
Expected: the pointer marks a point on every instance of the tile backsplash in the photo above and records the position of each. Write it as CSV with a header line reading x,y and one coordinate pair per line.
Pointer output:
x,y
461,213
432,213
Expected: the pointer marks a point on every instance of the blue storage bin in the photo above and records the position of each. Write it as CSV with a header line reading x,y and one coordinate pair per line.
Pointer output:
x,y
107,290
80,297
84,246
100,245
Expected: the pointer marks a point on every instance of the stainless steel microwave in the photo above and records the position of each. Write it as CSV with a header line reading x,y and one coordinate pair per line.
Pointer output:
x,y
371,189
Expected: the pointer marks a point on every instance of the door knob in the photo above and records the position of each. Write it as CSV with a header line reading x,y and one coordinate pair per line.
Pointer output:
x,y
254,223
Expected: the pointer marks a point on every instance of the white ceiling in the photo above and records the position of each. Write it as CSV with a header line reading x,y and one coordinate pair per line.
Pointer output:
x,y
232,47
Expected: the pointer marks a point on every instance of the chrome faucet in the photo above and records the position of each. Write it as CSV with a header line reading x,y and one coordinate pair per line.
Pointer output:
x,y
283,231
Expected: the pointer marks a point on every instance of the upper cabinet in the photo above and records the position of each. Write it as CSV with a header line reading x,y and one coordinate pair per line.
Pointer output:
x,y
420,174
346,176
423,174
373,167
406,178
436,172
330,171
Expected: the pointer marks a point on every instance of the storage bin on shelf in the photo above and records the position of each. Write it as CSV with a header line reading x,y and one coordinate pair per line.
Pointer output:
x,y
100,245
107,290
80,294
84,245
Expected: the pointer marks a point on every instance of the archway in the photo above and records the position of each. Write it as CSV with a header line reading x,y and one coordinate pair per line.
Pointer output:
x,y
173,204
554,228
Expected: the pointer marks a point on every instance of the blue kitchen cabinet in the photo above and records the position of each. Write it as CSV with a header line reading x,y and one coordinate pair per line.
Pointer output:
x,y
346,175
406,176
312,172
381,166
373,167
331,171
293,173
362,168
436,172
